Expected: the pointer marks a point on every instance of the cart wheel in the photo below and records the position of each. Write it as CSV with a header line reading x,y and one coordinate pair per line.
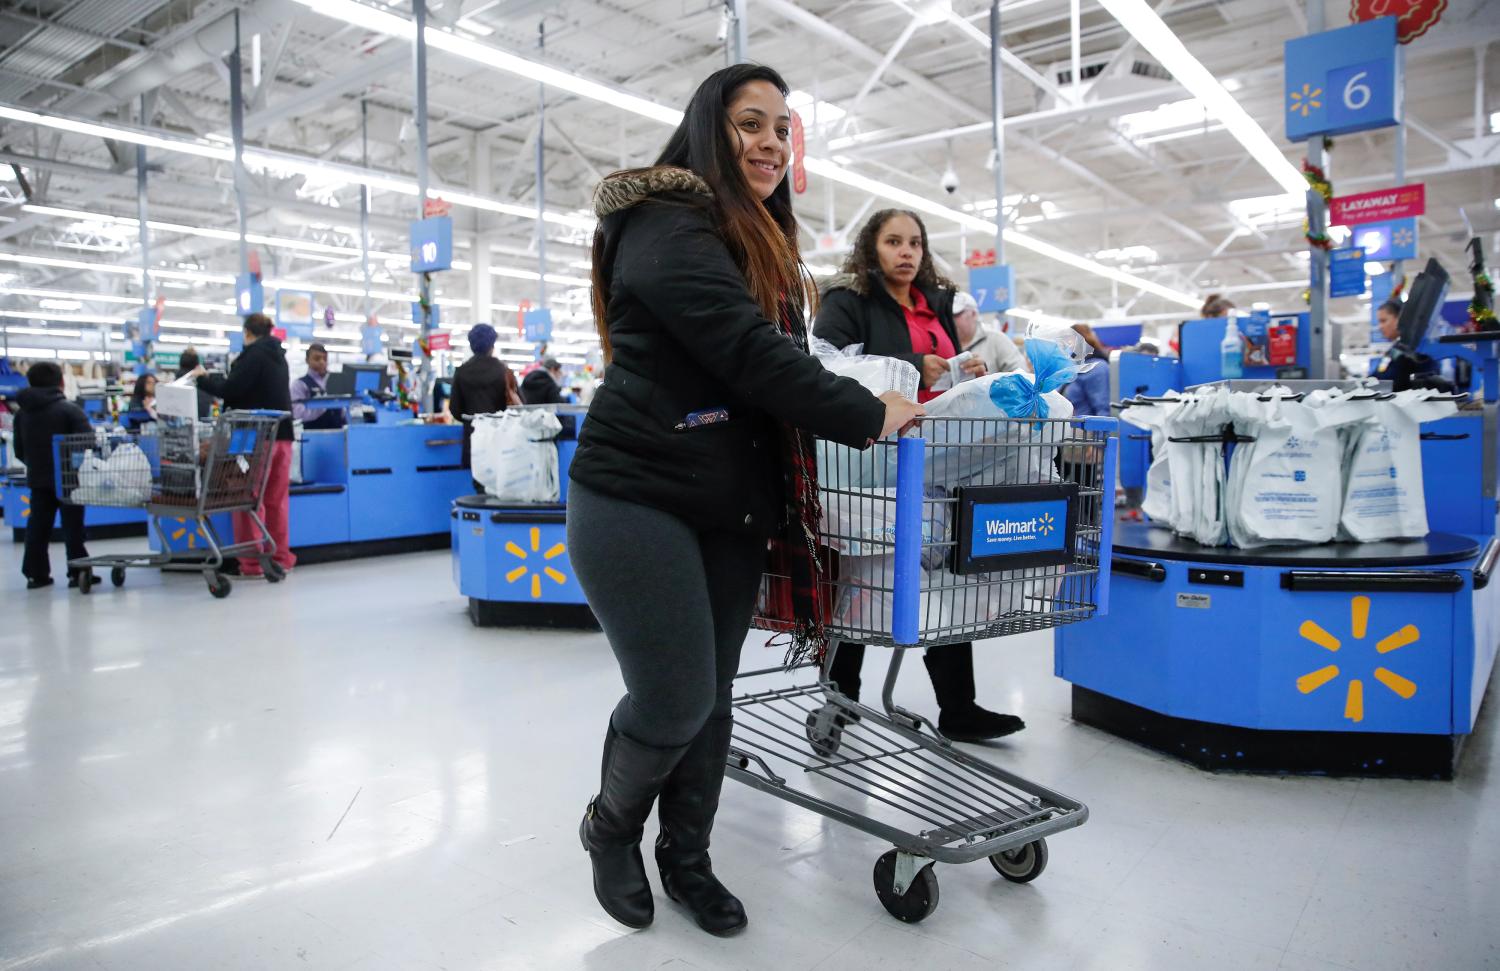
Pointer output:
x,y
85,582
825,731
1022,864
220,586
117,576
920,899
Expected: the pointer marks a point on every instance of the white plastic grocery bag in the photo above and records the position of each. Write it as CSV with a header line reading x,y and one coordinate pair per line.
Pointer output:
x,y
514,457
121,479
877,374
1157,504
1383,493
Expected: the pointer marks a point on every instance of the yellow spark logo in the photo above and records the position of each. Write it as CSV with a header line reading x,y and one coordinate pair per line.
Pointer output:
x,y
1306,100
182,530
525,568
1354,700
1045,524
25,507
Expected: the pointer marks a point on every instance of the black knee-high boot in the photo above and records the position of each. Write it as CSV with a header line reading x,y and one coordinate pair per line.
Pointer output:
x,y
844,671
686,809
630,780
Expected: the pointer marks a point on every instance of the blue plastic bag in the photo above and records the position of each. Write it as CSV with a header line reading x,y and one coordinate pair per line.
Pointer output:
x,y
1020,396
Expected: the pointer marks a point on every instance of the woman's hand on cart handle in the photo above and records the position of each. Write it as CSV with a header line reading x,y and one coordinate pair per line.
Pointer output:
x,y
900,414
933,368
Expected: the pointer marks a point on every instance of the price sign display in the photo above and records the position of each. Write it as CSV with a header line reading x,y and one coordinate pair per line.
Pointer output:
x,y
432,244
294,307
538,326
1346,272
440,341
1342,81
1395,239
991,287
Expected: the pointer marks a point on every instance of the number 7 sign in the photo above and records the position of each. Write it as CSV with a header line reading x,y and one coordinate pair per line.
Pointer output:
x,y
1342,81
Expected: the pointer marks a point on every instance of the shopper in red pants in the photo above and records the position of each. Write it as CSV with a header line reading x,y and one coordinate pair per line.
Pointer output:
x,y
259,379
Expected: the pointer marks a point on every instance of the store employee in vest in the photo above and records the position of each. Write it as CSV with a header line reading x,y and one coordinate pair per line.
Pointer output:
x,y
311,385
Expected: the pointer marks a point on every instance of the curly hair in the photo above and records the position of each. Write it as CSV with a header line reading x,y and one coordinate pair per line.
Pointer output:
x,y
863,260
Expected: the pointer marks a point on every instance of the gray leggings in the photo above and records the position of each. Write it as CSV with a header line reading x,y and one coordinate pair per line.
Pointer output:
x,y
675,604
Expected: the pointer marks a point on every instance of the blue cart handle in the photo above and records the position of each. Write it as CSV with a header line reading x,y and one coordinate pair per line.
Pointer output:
x,y
911,458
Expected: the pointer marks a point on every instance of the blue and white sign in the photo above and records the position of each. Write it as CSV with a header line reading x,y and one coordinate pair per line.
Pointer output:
x,y
249,295
1005,528
1342,81
432,244
147,328
293,307
369,340
416,314
538,326
1394,240
1346,272
301,331
992,288
236,341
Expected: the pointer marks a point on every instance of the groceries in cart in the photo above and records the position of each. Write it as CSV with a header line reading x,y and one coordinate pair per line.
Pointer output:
x,y
514,454
1277,467
112,476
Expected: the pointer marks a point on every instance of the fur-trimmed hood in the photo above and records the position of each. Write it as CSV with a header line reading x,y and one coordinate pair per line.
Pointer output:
x,y
633,186
845,281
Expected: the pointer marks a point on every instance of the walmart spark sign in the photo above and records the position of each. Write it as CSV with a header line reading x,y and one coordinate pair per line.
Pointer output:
x,y
432,244
1342,81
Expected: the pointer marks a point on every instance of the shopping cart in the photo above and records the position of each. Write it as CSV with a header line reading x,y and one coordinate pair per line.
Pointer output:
x,y
981,528
176,468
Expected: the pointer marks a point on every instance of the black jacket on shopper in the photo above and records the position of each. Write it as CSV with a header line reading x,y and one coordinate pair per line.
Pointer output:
x,y
44,412
481,386
259,378
688,337
855,311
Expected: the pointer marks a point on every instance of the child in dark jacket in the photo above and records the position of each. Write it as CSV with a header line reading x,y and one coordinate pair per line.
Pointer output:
x,y
45,412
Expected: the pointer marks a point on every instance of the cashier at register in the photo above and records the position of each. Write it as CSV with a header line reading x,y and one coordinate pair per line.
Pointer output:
x,y
314,384
1403,367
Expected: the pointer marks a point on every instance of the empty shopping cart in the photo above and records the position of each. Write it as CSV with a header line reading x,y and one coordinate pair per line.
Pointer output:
x,y
980,528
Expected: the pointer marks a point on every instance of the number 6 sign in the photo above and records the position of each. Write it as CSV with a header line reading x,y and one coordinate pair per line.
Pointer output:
x,y
1342,81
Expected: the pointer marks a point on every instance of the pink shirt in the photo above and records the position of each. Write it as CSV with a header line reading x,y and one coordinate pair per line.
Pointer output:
x,y
927,335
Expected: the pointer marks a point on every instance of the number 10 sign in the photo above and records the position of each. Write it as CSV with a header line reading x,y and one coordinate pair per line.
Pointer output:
x,y
1342,81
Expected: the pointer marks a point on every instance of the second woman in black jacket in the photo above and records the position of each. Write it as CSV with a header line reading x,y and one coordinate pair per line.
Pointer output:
x,y
694,453
891,299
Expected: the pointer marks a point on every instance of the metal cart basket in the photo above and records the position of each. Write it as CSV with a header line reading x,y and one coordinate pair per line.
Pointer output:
x,y
980,528
175,468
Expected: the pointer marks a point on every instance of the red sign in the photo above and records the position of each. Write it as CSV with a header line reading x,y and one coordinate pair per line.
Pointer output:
x,y
1282,345
799,174
439,340
279,333
980,258
1402,202
1413,17
521,317
436,207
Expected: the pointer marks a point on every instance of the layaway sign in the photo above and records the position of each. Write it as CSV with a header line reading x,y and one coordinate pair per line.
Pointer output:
x,y
1380,206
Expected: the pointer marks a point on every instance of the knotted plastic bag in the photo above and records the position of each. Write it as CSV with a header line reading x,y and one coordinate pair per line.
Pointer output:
x,y
1019,395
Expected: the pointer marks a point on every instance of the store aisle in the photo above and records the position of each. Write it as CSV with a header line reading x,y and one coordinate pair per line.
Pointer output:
x,y
342,773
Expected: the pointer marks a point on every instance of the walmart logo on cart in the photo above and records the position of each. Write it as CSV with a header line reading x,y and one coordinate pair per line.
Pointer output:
x,y
1018,527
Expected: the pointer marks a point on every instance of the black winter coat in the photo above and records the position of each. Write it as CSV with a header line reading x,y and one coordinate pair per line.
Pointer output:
x,y
538,388
862,312
44,412
258,379
481,386
688,337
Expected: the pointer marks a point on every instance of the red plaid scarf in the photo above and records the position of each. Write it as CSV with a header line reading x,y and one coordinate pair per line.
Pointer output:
x,y
794,552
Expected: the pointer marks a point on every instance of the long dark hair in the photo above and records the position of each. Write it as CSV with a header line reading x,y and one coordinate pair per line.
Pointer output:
x,y
863,261
761,235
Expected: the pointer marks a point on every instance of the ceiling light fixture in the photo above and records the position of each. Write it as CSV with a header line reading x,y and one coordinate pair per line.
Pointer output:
x,y
1152,33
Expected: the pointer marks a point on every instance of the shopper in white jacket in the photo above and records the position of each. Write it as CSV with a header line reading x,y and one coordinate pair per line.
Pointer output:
x,y
998,352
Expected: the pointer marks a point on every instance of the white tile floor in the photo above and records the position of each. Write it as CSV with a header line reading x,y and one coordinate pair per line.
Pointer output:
x,y
340,772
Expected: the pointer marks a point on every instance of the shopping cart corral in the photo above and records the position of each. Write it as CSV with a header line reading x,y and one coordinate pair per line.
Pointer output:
x,y
180,469
980,528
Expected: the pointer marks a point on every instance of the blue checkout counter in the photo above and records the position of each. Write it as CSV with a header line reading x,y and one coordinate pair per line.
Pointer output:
x,y
511,559
1342,659
100,522
366,490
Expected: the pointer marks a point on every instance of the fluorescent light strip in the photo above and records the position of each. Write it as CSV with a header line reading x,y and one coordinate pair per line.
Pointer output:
x,y
1152,33
43,332
371,18
117,133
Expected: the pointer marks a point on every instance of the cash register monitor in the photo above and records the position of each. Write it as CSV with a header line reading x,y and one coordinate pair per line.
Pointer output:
x,y
1422,307
356,379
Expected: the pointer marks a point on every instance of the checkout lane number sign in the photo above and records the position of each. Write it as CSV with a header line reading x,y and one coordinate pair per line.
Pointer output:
x,y
1012,527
